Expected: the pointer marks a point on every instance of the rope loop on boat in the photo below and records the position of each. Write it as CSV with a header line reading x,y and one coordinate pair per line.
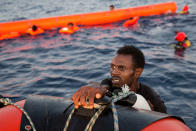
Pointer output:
x,y
116,97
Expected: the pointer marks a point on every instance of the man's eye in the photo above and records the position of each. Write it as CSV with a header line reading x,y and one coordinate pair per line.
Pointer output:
x,y
121,68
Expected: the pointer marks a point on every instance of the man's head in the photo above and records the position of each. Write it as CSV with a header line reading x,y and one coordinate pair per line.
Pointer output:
x,y
111,7
70,25
34,27
127,66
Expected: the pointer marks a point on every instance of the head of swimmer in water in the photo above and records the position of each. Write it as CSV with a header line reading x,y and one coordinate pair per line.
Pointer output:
x,y
130,18
127,66
111,7
34,27
70,25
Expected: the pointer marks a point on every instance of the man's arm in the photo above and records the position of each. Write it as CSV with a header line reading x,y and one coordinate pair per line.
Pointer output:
x,y
159,107
86,95
153,99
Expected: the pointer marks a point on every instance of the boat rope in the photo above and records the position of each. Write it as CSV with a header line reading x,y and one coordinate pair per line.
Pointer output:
x,y
68,120
125,92
7,101
94,118
115,116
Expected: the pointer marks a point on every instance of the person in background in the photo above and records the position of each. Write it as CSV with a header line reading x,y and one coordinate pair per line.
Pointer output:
x,y
185,10
69,29
111,7
34,30
126,67
131,21
182,41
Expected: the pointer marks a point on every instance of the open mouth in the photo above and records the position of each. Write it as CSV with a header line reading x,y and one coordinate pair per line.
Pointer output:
x,y
116,80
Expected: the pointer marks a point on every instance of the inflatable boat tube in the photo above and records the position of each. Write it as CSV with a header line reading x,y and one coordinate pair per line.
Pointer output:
x,y
51,113
95,18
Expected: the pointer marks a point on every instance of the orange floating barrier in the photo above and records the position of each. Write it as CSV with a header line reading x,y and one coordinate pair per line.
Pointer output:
x,y
9,35
95,18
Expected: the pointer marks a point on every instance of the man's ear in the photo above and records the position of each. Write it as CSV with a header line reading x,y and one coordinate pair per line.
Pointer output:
x,y
138,72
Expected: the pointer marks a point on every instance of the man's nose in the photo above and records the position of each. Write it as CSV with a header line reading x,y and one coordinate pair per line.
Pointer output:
x,y
115,71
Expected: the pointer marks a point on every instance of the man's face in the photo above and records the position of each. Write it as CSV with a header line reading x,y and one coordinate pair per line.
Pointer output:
x,y
70,26
111,8
122,70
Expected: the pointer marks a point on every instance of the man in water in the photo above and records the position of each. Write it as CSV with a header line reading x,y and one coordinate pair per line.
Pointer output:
x,y
34,30
111,7
185,10
182,41
126,68
69,29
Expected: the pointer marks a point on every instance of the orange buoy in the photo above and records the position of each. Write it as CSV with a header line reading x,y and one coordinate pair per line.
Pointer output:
x,y
9,35
87,19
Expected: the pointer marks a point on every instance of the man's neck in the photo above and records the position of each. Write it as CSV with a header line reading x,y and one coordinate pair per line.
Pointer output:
x,y
135,86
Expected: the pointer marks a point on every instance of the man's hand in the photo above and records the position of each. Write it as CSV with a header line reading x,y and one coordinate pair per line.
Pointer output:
x,y
86,94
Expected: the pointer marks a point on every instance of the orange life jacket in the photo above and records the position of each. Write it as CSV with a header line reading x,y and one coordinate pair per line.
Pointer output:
x,y
131,22
36,32
67,30
186,43
10,35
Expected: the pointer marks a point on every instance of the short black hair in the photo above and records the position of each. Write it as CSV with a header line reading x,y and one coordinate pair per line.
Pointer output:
x,y
34,27
70,24
112,6
131,18
137,55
